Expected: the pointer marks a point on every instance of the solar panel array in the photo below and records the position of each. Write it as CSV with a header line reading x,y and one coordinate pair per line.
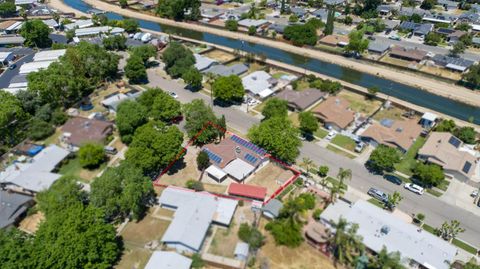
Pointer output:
x,y
466,167
251,159
212,156
454,141
248,145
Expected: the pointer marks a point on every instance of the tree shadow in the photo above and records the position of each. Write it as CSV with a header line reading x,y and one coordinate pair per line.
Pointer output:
x,y
177,166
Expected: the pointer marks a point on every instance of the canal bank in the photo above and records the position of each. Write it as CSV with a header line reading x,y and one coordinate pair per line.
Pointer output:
x,y
391,88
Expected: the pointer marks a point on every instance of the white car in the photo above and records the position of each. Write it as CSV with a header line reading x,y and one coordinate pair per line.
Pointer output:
x,y
174,95
414,188
331,135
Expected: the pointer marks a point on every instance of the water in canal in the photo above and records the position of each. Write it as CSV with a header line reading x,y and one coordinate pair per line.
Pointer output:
x,y
398,90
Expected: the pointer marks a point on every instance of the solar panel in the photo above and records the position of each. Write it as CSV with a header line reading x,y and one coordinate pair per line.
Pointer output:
x,y
466,167
250,158
212,156
454,141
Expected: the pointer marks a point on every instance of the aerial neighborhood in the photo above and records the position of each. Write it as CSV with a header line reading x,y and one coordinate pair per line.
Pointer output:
x,y
218,134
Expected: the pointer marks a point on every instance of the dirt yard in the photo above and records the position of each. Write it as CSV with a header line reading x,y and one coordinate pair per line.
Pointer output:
x,y
360,103
442,72
271,177
134,258
30,223
148,229
219,55
393,113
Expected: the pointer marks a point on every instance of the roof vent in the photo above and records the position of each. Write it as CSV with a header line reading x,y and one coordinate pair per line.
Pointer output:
x,y
385,230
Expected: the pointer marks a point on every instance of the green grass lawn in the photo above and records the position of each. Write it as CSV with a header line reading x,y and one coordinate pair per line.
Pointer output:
x,y
464,246
443,185
335,182
340,152
376,202
321,133
408,161
344,142
286,191
73,168
428,228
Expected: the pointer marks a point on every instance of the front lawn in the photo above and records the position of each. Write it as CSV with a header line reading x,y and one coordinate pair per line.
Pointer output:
x,y
464,246
408,161
73,168
376,202
340,152
344,142
321,132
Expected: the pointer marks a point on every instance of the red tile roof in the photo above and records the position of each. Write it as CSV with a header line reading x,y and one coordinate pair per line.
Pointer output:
x,y
248,191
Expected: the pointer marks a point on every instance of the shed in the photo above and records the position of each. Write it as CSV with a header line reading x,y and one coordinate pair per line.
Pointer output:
x,y
239,169
272,208
428,120
202,62
216,173
247,191
241,251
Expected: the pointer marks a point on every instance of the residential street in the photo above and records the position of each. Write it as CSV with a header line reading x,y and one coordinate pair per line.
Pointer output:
x,y
6,76
436,210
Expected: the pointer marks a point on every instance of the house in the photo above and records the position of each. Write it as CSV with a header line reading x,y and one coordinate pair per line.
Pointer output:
x,y
224,70
335,113
210,14
440,18
258,24
12,207
451,35
391,24
378,47
79,130
168,260
49,55
241,251
35,174
386,10
409,11
301,100
259,83
11,41
428,120
25,2
79,24
28,68
446,150
235,157
10,27
447,4
51,23
6,57
17,83
321,14
418,29
202,63
247,191
452,63
272,209
379,228
399,134
112,101
334,2
299,12
335,40
194,213
277,27
409,54
93,31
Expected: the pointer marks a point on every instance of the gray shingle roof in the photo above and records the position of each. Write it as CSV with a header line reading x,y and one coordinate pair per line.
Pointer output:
x,y
223,70
273,207
378,47
12,205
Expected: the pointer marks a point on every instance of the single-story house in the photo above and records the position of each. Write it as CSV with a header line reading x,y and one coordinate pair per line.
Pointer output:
x,y
241,251
334,2
51,23
112,101
272,208
391,24
235,157
335,40
447,4
168,260
299,12
452,63
258,24
210,14
247,191
194,213
259,83
36,174
409,11
386,10
451,35
79,24
409,54
6,57
428,120
11,41
12,207
301,100
10,27
446,150
25,2
418,29
226,70
399,134
440,18
469,17
79,130
93,31
28,68
379,228
321,14
202,63
48,55
335,113
277,27
378,47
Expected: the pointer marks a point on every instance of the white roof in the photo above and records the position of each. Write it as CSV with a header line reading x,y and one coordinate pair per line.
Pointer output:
x,y
216,172
429,116
456,67
239,169
92,30
51,23
168,260
334,212
36,175
79,24
194,214
48,55
265,93
5,55
241,249
202,62
14,26
475,27
250,22
257,82
34,66
25,2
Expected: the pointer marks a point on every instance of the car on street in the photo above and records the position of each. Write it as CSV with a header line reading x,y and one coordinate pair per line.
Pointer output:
x,y
12,66
414,188
378,194
474,193
331,135
393,179
174,95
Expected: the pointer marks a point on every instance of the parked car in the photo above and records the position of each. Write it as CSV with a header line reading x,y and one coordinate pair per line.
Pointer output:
x,y
378,194
12,66
394,37
393,179
359,147
110,150
474,193
414,188
331,135
174,95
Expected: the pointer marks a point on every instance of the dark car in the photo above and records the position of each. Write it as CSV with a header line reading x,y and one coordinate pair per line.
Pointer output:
x,y
393,179
12,66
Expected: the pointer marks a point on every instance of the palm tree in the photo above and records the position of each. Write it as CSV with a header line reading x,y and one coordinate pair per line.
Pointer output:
x,y
386,260
308,164
394,200
450,231
346,244
344,174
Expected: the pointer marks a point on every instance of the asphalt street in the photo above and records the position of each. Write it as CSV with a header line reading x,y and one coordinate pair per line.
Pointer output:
x,y
6,76
436,211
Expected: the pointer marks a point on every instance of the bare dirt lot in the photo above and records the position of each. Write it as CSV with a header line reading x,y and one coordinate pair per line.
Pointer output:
x,y
219,55
272,176
30,223
134,258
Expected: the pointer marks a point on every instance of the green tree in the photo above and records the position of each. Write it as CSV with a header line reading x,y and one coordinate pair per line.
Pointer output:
x,y
307,164
154,146
178,59
197,261
251,235
116,42
301,34
445,126
449,231
348,20
176,9
145,52
122,191
195,185
278,136
308,122
130,25
36,34
7,8
231,25
428,4
135,70
428,174
160,105
393,200
383,159
39,129
466,134
130,116
228,89
463,26
203,162
356,44
293,18
15,249
193,78
472,77
386,260
457,49
323,170
197,117
286,232
91,155
372,91
123,3
330,20
252,30
433,39
275,107
346,244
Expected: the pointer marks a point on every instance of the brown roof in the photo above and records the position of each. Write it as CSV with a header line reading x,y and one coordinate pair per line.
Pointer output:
x,y
84,130
333,40
301,100
229,150
317,232
440,148
406,53
335,110
5,24
401,134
